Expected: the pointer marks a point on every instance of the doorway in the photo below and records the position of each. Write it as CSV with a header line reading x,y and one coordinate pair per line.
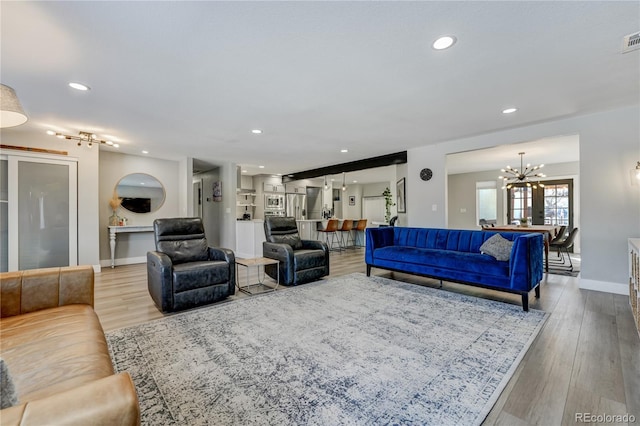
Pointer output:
x,y
548,205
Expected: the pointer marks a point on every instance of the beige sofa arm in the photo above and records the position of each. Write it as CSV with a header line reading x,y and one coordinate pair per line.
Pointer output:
x,y
108,401
32,290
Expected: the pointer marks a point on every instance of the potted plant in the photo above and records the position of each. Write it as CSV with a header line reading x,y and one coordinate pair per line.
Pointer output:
x,y
388,202
524,222
114,203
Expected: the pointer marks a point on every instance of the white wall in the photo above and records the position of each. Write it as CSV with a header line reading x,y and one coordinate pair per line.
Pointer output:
x,y
609,205
133,248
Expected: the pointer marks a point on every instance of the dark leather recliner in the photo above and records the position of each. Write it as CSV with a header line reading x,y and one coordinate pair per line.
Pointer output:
x,y
301,261
184,271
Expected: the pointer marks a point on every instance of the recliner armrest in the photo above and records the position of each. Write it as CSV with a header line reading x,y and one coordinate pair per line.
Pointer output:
x,y
216,253
160,279
278,251
224,254
314,245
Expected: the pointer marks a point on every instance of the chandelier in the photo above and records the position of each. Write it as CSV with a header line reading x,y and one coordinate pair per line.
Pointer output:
x,y
86,137
524,175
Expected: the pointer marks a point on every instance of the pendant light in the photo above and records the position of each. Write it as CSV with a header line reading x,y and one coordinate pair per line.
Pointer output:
x,y
523,175
344,185
326,185
11,111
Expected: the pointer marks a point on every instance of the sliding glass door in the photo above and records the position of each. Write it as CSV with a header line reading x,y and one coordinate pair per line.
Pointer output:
x,y
41,213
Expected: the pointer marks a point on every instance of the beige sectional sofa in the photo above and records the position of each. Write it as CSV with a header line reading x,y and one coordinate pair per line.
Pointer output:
x,y
55,350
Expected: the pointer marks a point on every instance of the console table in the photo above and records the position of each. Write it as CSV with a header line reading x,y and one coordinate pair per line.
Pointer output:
x,y
115,230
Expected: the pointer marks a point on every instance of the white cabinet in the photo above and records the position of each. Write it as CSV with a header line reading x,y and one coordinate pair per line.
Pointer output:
x,y
249,238
270,187
295,189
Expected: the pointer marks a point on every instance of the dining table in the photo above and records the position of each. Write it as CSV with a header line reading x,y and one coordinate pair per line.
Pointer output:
x,y
549,232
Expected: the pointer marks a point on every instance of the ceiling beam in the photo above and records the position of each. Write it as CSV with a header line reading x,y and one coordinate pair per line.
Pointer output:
x,y
352,166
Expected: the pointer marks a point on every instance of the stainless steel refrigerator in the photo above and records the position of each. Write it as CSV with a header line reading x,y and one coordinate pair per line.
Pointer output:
x,y
296,206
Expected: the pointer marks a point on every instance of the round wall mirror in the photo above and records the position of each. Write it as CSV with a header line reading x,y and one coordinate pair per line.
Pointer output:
x,y
140,193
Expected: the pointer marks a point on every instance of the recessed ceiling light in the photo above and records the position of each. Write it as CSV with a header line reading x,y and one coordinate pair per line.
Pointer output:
x,y
261,167
145,151
355,181
344,150
244,171
444,42
509,110
79,86
256,131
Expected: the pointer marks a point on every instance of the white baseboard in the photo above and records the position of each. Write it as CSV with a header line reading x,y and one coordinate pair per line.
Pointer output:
x,y
124,261
604,286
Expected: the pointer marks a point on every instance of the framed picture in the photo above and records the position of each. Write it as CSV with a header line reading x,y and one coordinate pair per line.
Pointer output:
x,y
401,196
217,191
352,200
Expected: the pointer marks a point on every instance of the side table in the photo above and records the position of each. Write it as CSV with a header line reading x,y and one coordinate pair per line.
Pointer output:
x,y
257,262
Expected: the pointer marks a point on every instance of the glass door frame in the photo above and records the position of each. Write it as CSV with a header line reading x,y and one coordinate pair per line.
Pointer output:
x,y
13,213
537,200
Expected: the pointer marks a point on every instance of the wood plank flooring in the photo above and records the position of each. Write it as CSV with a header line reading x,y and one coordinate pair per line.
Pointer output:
x,y
586,359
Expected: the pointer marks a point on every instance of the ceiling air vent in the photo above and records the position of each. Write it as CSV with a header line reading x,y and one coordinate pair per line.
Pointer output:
x,y
631,42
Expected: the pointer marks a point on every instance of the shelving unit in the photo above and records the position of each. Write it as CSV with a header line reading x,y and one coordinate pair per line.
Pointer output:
x,y
245,202
634,279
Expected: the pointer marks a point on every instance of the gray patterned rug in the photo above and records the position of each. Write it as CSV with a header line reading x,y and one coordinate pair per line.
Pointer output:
x,y
346,351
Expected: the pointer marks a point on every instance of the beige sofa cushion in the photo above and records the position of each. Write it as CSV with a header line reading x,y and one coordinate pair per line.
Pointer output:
x,y
54,350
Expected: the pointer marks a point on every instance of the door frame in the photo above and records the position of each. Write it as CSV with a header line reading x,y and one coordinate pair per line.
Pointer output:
x,y
12,197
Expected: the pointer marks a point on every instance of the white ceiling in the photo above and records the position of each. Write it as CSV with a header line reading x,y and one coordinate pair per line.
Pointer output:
x,y
194,78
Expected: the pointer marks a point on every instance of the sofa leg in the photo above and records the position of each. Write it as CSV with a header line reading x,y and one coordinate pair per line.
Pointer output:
x,y
440,284
368,270
538,291
525,302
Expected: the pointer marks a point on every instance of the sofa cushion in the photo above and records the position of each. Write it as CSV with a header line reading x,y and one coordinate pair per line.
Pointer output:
x,y
497,247
446,259
189,276
54,350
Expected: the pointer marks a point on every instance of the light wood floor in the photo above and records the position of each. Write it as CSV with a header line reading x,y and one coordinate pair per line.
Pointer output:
x,y
586,359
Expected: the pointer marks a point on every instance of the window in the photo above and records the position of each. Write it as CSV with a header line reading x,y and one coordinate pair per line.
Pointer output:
x,y
486,203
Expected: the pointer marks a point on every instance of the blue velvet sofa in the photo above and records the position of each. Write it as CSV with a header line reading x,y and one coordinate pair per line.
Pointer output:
x,y
454,255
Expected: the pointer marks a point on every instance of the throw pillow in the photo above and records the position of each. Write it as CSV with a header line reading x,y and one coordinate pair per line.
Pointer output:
x,y
498,247
8,395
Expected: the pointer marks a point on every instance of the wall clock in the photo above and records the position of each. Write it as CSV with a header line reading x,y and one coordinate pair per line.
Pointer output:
x,y
426,174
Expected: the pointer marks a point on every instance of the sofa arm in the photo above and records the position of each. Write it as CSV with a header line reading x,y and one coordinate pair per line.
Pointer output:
x,y
160,279
526,262
377,238
228,256
108,401
36,289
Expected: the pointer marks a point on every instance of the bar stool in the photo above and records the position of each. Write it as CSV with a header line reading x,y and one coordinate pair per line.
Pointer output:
x,y
360,227
332,228
347,226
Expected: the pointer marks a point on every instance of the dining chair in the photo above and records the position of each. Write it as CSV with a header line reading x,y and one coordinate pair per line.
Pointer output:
x,y
563,247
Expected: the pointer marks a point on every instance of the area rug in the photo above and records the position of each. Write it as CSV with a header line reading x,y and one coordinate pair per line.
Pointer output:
x,y
351,350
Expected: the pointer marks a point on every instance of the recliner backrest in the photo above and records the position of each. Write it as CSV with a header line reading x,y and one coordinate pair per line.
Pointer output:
x,y
182,239
283,230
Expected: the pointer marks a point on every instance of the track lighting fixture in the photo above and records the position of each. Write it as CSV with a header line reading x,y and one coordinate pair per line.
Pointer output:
x,y
86,137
